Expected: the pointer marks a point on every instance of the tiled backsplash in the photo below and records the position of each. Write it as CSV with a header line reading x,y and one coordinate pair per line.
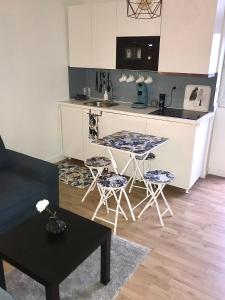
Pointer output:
x,y
127,92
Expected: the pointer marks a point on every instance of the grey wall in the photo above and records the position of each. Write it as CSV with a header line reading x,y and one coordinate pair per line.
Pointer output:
x,y
79,78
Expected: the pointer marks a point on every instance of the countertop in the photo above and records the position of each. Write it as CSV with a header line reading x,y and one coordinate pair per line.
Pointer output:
x,y
125,108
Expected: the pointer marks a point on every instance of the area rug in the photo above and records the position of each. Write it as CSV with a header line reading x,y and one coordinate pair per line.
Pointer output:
x,y
74,175
83,283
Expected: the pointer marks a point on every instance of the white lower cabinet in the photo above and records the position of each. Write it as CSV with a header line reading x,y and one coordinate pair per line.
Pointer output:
x,y
72,131
184,152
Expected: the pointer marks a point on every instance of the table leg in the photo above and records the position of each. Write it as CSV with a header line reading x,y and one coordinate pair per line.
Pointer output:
x,y
105,259
52,292
132,156
2,276
115,167
139,170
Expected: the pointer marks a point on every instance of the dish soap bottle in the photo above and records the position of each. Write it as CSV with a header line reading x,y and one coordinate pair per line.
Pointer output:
x,y
106,96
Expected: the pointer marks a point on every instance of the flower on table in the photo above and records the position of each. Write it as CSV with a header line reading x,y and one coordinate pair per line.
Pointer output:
x,y
42,205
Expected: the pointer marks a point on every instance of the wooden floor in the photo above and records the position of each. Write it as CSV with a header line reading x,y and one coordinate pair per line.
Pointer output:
x,y
187,257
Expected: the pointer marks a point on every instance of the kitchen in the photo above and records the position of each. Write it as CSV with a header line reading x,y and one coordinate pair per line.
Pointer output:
x,y
139,93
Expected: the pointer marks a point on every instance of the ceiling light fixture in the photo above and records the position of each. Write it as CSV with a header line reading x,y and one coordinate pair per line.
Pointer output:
x,y
144,9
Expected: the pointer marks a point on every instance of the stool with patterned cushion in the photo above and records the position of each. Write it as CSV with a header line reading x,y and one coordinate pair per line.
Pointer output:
x,y
149,157
156,180
112,184
96,165
137,167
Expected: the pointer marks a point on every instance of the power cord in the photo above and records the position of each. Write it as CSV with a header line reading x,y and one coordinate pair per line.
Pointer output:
x,y
171,96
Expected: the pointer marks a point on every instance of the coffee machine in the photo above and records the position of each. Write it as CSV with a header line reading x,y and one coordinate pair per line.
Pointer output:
x,y
142,96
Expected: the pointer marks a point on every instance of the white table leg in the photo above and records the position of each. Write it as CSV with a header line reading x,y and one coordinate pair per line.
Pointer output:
x,y
93,184
114,164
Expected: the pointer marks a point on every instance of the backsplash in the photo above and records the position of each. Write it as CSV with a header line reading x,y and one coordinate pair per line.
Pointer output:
x,y
127,92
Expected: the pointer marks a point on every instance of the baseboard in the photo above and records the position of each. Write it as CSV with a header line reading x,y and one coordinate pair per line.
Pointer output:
x,y
56,158
217,173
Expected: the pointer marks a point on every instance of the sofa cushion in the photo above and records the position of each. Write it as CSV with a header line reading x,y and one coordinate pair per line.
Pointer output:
x,y
3,155
18,195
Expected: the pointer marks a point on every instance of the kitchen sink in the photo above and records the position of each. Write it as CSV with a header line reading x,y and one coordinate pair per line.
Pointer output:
x,y
101,103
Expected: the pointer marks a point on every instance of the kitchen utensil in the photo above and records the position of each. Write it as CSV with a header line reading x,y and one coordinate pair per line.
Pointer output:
x,y
108,83
162,100
96,81
100,85
104,81
197,97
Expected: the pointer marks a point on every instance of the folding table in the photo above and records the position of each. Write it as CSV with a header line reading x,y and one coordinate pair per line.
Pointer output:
x,y
136,144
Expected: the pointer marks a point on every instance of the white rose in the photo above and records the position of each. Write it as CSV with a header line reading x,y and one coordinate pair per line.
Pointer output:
x,y
41,205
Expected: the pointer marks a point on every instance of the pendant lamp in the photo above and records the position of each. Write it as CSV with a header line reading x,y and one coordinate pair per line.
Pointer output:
x,y
144,9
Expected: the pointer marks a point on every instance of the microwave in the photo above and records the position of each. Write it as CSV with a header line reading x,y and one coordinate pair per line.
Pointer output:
x,y
137,53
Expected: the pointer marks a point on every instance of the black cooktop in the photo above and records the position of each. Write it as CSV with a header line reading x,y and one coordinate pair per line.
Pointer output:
x,y
179,113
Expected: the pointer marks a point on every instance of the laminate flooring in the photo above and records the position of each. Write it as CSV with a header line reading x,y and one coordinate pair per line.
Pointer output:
x,y
187,257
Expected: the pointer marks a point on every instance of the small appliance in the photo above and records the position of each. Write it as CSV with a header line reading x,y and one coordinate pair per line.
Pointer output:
x,y
142,96
137,52
162,100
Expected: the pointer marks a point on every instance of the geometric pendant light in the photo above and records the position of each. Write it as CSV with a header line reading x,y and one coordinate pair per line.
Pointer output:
x,y
144,9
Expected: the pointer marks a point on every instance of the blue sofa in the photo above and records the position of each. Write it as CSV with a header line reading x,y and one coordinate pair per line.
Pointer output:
x,y
24,180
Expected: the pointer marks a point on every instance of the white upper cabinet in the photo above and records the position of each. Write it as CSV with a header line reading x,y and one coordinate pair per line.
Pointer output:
x,y
104,34
79,29
92,34
134,27
190,36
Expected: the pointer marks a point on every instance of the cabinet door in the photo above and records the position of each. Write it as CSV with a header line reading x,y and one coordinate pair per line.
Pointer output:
x,y
134,27
104,35
116,122
91,149
176,154
79,27
187,37
71,125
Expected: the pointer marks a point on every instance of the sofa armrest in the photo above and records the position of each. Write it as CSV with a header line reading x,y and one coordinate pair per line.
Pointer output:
x,y
39,170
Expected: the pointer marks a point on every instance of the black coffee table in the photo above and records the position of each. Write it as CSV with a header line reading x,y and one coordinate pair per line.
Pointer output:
x,y
49,261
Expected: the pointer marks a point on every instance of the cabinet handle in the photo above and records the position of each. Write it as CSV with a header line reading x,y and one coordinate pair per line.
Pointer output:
x,y
94,113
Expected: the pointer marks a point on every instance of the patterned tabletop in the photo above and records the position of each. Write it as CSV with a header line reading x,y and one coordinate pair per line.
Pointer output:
x,y
133,142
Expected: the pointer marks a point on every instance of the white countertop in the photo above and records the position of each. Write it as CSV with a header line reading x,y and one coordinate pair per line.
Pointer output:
x,y
125,108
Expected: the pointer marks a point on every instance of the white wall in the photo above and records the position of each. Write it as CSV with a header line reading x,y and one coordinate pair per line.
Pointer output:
x,y
217,153
33,74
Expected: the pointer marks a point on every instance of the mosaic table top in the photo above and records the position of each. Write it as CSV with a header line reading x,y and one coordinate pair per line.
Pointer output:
x,y
133,142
